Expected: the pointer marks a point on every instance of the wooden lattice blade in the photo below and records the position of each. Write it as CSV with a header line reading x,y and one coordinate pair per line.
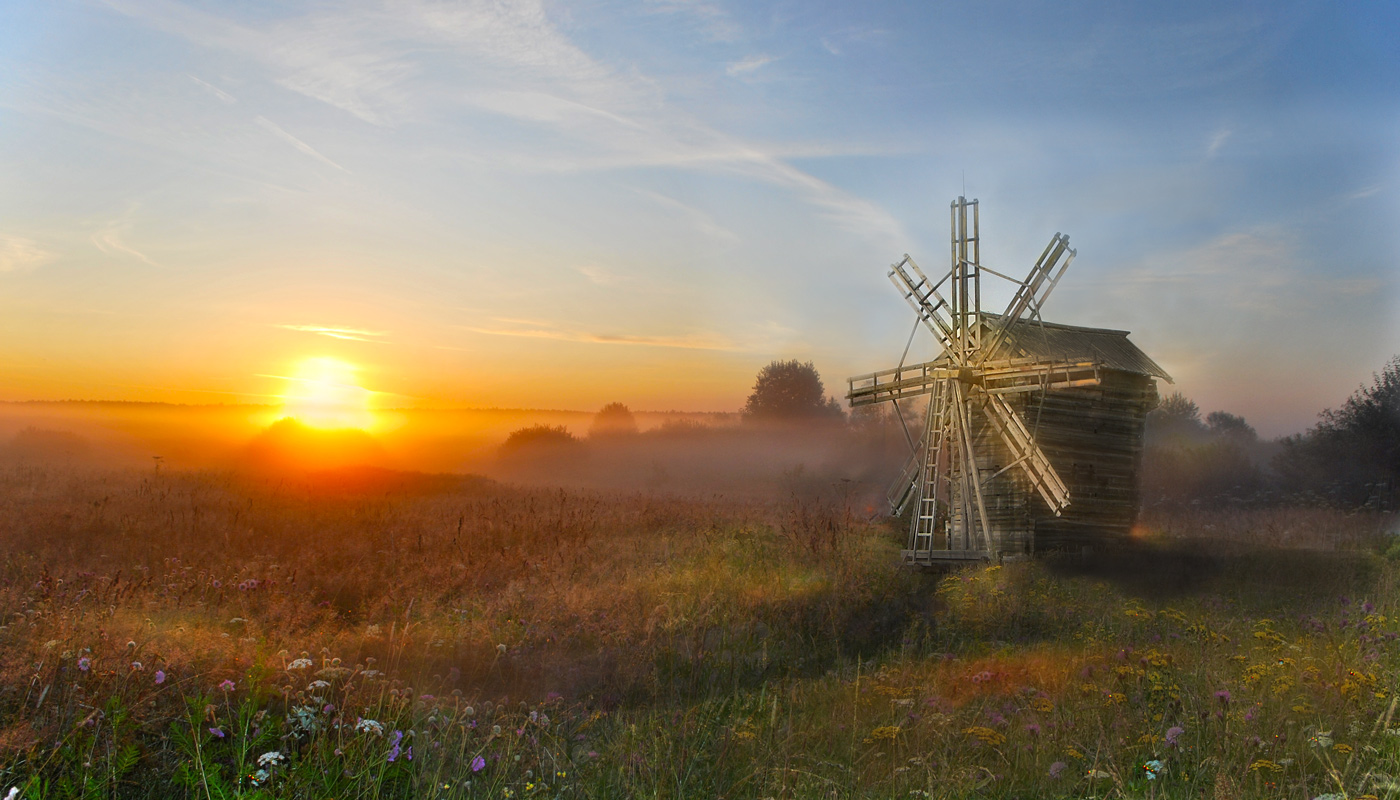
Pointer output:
x,y
922,295
1033,292
893,384
1026,454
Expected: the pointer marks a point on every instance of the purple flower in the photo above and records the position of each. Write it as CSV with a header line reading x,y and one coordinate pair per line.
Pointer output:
x,y
217,732
1366,607
1174,733
160,676
478,764
84,663
226,686
1223,696
328,708
1033,729
395,749
1056,768
218,584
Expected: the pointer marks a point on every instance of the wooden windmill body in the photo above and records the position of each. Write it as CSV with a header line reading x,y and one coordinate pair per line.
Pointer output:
x,y
1033,430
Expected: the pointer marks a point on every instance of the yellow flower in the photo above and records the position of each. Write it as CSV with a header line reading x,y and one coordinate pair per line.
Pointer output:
x,y
885,732
1075,754
1042,704
985,735
1342,748
1265,764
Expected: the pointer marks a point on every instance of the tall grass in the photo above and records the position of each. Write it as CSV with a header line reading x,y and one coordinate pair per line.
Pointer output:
x,y
176,634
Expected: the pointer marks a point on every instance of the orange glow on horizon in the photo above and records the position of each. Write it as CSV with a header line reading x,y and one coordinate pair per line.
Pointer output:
x,y
324,394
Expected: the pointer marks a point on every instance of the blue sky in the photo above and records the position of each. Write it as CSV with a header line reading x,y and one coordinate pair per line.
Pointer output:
x,y
565,204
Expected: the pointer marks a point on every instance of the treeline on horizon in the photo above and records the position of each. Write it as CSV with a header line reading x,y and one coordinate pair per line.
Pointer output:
x,y
790,433
1350,459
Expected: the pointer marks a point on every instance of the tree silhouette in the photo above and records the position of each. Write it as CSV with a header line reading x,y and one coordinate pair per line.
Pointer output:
x,y
790,390
1352,455
613,419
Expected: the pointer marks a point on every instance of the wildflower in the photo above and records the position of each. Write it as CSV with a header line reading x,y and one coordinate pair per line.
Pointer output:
x,y
218,584
1152,768
328,708
370,726
478,764
318,685
1263,764
985,735
1322,739
226,686
1096,774
1174,733
1056,768
131,645
501,649
271,758
1223,696
257,778
136,666
471,712
84,663
395,749
1033,729
1342,748
495,730
160,676
885,732
218,732
300,663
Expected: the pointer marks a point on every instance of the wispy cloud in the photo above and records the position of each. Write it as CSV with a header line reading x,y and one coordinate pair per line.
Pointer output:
x,y
702,221
111,240
18,254
712,20
531,329
1365,191
597,275
415,60
352,334
1218,141
277,131
216,91
747,65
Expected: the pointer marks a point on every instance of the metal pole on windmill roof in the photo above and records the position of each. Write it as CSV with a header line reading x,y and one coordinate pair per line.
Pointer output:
x,y
977,274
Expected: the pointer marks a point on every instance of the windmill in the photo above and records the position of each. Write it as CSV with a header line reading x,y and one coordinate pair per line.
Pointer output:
x,y
981,481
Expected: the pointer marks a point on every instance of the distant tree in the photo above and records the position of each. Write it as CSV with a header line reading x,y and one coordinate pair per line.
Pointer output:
x,y
538,438
1188,460
1176,418
1223,425
613,419
788,391
1352,455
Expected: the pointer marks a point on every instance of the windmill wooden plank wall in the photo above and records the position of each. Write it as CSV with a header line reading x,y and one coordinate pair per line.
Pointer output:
x,y
1033,434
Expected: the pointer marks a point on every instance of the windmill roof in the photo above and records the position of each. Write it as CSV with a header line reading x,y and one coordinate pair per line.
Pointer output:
x,y
1071,342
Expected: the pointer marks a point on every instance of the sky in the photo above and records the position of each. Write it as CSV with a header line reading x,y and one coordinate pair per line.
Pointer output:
x,y
559,205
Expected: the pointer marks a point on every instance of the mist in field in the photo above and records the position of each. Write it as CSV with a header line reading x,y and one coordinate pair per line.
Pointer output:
x,y
666,452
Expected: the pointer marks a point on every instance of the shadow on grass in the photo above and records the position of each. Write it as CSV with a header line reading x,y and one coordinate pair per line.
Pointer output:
x,y
1254,576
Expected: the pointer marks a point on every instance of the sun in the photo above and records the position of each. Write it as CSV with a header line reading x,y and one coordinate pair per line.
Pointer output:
x,y
323,393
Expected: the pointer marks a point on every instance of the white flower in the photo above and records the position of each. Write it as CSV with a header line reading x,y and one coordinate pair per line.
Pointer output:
x,y
271,759
500,648
258,777
318,685
370,726
300,663
13,794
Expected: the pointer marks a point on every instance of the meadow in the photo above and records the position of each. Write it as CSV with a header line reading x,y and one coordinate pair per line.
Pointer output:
x,y
374,634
